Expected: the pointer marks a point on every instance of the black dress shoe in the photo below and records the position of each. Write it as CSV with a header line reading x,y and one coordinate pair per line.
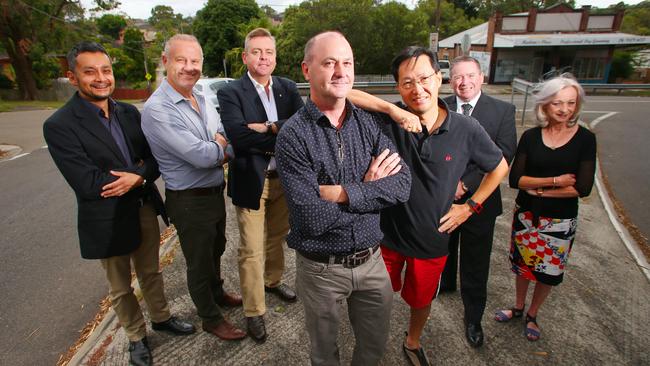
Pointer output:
x,y
175,326
139,353
474,334
256,328
283,291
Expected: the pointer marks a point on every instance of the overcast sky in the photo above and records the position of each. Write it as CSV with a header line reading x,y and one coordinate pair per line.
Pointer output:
x,y
142,8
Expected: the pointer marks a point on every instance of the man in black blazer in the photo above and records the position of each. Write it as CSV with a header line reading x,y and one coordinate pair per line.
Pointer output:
x,y
253,110
99,147
475,235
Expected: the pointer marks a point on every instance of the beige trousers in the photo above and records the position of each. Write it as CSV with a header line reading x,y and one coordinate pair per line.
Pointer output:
x,y
147,269
261,253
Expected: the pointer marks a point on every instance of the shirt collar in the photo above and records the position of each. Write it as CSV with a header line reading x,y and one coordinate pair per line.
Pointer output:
x,y
318,116
471,102
258,85
96,109
175,96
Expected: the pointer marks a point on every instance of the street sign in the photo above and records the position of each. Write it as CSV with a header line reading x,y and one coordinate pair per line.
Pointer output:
x,y
433,42
148,76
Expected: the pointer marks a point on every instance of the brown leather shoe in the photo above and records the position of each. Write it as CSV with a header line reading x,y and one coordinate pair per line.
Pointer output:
x,y
229,300
225,330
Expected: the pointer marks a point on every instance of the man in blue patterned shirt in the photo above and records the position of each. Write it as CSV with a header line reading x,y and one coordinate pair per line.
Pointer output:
x,y
337,171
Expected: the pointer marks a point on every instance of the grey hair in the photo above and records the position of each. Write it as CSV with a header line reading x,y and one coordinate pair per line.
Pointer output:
x,y
546,91
257,32
181,37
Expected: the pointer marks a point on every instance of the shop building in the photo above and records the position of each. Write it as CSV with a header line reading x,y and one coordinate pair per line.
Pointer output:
x,y
532,44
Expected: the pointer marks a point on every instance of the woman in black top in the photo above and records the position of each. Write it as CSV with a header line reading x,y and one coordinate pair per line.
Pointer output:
x,y
553,166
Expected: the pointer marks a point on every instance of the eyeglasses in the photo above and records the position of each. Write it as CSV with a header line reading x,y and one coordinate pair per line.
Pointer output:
x,y
423,81
471,75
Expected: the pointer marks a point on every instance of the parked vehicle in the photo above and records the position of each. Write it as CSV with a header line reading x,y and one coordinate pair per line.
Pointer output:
x,y
210,86
444,70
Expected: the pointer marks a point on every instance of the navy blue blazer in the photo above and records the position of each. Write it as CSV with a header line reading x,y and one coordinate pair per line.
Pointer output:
x,y
240,105
498,119
85,153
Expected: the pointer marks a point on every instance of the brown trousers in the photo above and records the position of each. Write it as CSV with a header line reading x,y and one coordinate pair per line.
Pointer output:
x,y
147,269
261,252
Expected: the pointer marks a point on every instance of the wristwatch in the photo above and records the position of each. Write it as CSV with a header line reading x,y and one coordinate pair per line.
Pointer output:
x,y
474,206
269,125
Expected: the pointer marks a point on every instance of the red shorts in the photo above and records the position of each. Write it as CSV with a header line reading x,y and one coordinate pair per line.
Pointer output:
x,y
421,280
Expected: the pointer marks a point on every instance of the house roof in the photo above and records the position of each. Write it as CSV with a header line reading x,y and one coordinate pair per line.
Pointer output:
x,y
478,36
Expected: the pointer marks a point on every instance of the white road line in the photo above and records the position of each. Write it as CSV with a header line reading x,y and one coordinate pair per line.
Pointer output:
x,y
595,122
622,231
18,156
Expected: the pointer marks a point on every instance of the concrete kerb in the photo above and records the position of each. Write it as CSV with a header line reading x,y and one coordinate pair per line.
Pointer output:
x,y
622,231
110,320
8,152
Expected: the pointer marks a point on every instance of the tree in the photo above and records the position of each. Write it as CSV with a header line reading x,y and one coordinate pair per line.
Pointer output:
x,y
394,27
216,27
622,66
134,48
24,26
637,19
111,25
351,17
452,20
488,8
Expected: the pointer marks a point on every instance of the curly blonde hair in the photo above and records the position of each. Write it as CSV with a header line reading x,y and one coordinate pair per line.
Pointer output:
x,y
546,91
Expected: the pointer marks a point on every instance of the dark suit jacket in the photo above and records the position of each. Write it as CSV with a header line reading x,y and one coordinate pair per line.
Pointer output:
x,y
498,119
85,152
240,104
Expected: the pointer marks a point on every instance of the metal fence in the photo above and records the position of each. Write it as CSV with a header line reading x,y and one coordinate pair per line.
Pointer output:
x,y
526,88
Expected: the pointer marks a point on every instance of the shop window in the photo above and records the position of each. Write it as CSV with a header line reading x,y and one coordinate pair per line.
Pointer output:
x,y
585,68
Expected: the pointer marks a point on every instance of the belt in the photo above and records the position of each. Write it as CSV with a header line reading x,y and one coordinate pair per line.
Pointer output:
x,y
348,261
194,192
271,174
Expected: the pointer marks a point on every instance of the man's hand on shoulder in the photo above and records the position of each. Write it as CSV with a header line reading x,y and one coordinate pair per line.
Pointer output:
x,y
383,165
125,182
405,119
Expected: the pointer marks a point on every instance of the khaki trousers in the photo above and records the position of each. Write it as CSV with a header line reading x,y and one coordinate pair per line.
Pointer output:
x,y
147,269
261,253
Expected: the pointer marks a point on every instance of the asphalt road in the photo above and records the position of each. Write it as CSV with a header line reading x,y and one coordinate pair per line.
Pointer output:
x,y
48,292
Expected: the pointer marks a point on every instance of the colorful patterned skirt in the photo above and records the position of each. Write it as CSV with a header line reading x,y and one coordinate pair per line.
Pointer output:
x,y
539,247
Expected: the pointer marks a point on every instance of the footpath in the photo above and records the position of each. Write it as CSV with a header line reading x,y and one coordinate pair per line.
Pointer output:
x,y
597,316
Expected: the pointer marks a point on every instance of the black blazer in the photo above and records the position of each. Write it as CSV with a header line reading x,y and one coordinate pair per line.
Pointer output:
x,y
85,153
498,119
240,104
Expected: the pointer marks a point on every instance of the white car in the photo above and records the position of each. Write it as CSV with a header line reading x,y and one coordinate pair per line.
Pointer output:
x,y
210,86
444,70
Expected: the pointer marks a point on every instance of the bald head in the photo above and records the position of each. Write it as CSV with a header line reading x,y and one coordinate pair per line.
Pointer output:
x,y
309,47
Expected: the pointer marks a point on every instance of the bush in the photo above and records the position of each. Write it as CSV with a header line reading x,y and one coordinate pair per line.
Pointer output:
x,y
5,82
622,66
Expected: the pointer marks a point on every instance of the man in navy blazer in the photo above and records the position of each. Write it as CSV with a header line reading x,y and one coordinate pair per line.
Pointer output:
x,y
253,110
475,235
99,147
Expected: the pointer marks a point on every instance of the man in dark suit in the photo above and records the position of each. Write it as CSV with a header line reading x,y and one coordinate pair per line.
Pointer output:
x,y
99,147
253,110
475,235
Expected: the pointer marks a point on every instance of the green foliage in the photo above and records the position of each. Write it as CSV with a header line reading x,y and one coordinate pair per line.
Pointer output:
x,y
622,66
123,65
452,20
111,25
485,9
394,27
217,28
133,48
637,19
167,23
46,66
5,82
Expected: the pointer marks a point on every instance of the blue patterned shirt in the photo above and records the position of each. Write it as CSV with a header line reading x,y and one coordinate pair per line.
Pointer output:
x,y
311,152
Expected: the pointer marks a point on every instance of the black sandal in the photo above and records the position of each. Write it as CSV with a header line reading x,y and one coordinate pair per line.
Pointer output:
x,y
501,316
532,334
